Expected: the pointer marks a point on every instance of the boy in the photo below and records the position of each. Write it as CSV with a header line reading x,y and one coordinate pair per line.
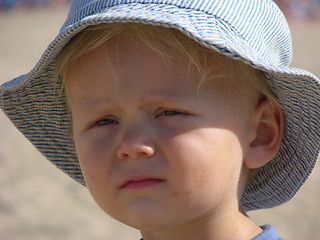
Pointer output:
x,y
176,131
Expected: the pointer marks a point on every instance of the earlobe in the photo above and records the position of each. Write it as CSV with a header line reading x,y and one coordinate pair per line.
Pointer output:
x,y
267,123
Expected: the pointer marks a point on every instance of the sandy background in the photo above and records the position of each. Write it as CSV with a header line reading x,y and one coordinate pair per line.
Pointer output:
x,y
38,202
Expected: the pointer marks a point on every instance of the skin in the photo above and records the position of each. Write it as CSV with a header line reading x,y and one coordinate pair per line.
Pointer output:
x,y
156,154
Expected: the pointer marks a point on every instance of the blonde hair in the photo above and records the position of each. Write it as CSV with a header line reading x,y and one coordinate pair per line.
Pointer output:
x,y
246,81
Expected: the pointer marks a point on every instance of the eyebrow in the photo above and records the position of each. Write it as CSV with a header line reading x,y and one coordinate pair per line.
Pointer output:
x,y
151,99
163,98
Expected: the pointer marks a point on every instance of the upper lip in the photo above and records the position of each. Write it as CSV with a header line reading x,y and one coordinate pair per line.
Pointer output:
x,y
137,178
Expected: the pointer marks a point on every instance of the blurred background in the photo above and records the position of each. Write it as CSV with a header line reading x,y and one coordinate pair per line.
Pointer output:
x,y
293,9
11,5
300,10
38,202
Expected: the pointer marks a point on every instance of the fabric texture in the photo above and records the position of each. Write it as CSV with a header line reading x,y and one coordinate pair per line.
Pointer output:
x,y
251,31
269,233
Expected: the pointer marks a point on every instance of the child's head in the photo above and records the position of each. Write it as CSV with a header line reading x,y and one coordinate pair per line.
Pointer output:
x,y
173,103
165,129
170,44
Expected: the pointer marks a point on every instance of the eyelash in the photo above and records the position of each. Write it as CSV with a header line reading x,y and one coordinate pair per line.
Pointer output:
x,y
110,121
106,121
170,113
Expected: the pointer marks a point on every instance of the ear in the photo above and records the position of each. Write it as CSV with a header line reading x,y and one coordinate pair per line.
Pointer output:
x,y
267,123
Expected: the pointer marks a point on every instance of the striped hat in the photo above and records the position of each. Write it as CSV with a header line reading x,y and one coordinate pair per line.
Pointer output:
x,y
253,31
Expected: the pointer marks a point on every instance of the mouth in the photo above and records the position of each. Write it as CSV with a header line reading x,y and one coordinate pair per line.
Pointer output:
x,y
139,182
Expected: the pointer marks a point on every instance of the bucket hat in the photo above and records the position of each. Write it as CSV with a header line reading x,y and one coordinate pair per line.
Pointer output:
x,y
251,31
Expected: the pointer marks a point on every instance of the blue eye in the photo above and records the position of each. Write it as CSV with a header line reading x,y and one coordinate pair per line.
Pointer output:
x,y
106,121
170,113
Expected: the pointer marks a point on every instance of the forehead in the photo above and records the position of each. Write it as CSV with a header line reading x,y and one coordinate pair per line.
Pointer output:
x,y
120,67
169,43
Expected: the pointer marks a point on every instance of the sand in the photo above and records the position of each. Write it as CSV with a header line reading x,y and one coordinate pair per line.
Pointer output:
x,y
39,202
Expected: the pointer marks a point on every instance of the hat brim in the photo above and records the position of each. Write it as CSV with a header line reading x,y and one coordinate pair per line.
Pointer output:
x,y
35,104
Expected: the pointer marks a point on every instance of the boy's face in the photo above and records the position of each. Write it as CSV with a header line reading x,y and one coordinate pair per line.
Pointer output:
x,y
155,152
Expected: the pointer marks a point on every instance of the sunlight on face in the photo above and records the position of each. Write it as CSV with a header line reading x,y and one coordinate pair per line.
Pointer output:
x,y
155,153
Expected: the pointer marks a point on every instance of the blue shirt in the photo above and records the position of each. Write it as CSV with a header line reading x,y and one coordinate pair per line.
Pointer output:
x,y
269,233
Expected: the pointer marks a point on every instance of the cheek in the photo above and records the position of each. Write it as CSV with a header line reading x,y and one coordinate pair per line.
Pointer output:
x,y
94,158
205,148
206,163
97,168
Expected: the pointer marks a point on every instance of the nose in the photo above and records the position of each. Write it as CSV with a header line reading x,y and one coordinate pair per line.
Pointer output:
x,y
135,145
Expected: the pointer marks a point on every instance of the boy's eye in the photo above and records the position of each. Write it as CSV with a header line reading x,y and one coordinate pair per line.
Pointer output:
x,y
170,113
106,121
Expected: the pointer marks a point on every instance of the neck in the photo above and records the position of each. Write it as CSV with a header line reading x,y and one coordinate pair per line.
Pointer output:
x,y
228,226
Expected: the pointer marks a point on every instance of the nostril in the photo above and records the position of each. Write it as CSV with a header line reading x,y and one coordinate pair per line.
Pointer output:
x,y
135,152
135,144
124,156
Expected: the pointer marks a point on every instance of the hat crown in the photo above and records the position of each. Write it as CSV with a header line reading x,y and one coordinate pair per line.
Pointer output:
x,y
260,23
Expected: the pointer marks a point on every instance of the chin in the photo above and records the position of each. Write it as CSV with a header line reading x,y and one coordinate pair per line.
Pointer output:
x,y
147,221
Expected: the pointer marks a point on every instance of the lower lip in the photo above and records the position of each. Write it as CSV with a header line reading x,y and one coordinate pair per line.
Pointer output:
x,y
142,184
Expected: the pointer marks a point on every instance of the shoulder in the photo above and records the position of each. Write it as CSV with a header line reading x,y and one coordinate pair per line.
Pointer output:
x,y
269,233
